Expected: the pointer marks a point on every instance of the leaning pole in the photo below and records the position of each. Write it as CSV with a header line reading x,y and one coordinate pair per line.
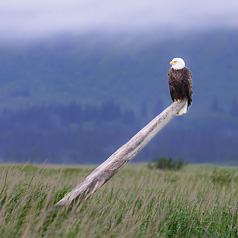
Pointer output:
x,y
120,158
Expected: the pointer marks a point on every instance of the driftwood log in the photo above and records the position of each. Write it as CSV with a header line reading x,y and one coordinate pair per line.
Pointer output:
x,y
120,158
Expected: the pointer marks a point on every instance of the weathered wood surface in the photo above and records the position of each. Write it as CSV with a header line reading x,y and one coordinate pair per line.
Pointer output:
x,y
120,158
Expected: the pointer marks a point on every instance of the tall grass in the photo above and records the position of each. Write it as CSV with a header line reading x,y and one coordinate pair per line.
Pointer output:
x,y
137,202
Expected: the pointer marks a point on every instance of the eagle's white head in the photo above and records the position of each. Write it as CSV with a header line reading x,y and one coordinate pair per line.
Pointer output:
x,y
177,63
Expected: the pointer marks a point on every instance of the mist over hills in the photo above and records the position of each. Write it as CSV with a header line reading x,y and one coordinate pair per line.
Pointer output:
x,y
131,73
98,70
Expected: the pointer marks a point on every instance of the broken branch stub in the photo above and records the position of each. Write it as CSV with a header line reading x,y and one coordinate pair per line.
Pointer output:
x,y
121,157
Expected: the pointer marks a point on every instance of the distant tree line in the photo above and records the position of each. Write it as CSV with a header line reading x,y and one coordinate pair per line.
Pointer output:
x,y
73,133
89,133
51,117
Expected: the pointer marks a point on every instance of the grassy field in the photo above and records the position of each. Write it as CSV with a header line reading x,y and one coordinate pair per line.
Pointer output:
x,y
199,201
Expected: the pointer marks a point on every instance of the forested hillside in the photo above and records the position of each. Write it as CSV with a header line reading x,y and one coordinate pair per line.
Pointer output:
x,y
77,99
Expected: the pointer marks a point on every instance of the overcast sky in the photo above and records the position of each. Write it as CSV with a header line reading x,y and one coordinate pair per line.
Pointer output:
x,y
34,19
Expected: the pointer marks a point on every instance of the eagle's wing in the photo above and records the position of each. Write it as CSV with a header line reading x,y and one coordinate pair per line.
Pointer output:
x,y
170,81
189,90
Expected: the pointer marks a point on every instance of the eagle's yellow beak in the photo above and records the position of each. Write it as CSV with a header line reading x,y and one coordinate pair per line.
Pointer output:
x,y
172,62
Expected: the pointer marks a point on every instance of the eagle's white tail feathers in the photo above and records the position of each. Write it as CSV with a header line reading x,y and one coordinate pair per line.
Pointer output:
x,y
183,110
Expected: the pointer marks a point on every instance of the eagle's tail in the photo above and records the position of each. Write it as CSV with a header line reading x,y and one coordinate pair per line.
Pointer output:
x,y
183,110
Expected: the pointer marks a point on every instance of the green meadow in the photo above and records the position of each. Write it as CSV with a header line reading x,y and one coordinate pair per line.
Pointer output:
x,y
198,201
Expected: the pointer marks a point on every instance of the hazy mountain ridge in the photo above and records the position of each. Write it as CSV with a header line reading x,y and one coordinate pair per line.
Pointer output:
x,y
76,70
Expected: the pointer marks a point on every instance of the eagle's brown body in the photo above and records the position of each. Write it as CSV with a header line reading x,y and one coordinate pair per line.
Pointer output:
x,y
180,84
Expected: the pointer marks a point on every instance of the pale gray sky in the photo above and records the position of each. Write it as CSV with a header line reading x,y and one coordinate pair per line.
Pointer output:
x,y
34,19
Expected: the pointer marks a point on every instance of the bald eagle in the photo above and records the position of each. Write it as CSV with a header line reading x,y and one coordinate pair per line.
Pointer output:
x,y
180,83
